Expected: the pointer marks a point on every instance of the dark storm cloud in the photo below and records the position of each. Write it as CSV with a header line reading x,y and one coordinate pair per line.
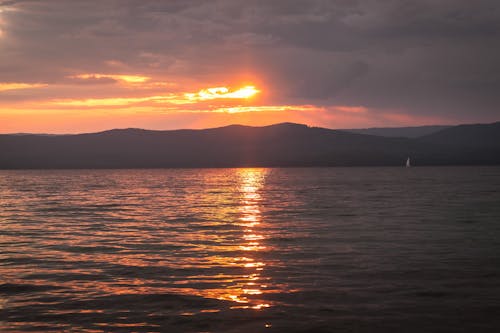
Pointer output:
x,y
423,57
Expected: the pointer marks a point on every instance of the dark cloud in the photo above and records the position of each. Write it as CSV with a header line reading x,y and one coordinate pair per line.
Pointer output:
x,y
423,57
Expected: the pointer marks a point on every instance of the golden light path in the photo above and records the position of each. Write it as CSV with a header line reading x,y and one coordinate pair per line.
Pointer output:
x,y
251,182
243,286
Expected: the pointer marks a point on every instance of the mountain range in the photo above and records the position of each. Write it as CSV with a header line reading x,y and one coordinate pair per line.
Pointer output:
x,y
280,145
402,132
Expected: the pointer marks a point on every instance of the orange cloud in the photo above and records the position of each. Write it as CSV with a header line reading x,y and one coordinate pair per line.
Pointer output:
x,y
130,79
351,109
176,99
268,108
15,86
117,101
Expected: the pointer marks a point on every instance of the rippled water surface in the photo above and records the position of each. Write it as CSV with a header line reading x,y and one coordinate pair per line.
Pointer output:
x,y
250,250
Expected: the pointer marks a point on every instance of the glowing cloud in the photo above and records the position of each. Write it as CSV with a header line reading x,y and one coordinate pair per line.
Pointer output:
x,y
351,109
16,86
222,92
269,108
177,99
122,78
118,101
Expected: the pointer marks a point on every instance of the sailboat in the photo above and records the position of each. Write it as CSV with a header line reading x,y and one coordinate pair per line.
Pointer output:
x,y
408,163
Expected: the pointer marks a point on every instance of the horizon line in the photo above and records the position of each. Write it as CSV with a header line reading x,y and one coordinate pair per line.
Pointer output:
x,y
241,125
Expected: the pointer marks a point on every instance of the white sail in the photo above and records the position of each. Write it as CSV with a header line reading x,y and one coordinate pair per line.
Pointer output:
x,y
408,162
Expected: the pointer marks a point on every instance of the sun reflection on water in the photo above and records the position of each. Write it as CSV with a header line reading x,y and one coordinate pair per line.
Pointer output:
x,y
251,181
198,237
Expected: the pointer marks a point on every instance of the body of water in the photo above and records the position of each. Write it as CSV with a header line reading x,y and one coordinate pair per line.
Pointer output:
x,y
250,250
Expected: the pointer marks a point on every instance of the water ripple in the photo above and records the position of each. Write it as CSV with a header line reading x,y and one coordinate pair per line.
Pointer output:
x,y
247,250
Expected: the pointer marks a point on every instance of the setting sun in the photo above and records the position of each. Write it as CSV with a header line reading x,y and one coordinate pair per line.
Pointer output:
x,y
222,92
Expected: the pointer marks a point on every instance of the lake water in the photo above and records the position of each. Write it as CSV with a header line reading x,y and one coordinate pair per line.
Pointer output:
x,y
251,250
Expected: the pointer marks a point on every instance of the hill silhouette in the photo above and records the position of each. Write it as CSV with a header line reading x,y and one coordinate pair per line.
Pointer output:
x,y
402,132
280,145
466,144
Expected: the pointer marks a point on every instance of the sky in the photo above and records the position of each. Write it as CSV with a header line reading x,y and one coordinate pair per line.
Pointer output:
x,y
86,66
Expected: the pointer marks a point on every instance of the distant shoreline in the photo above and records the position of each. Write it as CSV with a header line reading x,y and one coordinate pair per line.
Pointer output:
x,y
281,145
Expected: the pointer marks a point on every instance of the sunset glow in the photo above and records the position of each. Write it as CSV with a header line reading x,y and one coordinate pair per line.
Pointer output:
x,y
160,68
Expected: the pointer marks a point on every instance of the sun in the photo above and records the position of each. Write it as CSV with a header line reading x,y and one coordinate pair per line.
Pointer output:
x,y
223,93
246,92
